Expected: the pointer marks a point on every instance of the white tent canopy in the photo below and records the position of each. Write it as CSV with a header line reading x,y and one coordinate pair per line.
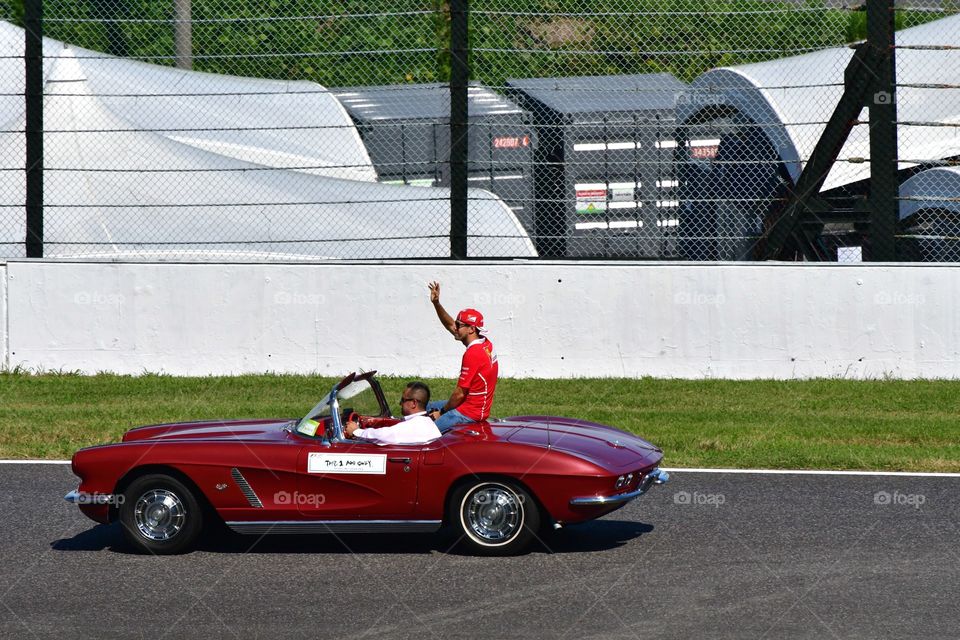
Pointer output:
x,y
792,98
125,179
937,188
271,122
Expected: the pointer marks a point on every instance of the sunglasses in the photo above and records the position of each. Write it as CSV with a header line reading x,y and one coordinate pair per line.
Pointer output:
x,y
403,401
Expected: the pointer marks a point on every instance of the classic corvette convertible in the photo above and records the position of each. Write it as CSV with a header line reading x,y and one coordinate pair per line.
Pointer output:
x,y
495,483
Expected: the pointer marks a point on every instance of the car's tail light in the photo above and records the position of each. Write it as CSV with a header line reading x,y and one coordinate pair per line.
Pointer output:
x,y
625,481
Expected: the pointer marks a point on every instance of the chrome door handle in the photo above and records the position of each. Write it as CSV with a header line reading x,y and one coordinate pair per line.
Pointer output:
x,y
401,460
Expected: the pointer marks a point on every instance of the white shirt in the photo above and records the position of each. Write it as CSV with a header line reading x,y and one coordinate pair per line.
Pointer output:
x,y
416,428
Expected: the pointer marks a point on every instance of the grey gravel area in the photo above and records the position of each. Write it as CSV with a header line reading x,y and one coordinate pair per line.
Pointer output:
x,y
720,556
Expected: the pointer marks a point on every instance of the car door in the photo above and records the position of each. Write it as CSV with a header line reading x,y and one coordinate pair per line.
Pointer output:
x,y
357,480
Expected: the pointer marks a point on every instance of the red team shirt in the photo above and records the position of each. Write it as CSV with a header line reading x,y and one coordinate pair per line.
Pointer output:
x,y
478,375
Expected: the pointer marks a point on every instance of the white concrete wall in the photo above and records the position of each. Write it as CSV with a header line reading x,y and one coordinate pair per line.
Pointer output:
x,y
4,351
546,319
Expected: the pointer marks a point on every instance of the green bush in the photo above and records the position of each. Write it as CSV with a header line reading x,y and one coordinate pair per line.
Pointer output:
x,y
349,42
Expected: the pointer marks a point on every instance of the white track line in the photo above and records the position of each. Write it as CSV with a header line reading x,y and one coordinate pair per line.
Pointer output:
x,y
779,472
817,472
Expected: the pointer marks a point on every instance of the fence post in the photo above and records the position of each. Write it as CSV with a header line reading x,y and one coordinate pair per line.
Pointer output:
x,y
459,80
33,103
183,33
884,188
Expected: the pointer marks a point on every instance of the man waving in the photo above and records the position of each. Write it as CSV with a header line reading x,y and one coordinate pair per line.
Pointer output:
x,y
473,396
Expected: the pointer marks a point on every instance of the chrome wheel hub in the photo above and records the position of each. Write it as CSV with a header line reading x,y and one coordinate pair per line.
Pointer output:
x,y
493,513
159,514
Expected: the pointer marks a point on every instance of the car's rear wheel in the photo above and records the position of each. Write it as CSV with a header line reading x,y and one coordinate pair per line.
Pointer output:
x,y
160,515
494,517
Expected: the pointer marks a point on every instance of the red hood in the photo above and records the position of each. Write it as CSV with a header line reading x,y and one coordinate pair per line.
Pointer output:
x,y
211,430
596,443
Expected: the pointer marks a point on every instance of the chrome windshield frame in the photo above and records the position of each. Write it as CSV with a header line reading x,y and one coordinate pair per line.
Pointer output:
x,y
332,399
335,416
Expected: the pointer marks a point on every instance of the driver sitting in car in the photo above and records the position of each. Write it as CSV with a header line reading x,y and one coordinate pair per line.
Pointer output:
x,y
415,428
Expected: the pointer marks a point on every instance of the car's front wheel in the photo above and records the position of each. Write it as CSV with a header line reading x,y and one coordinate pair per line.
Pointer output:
x,y
494,517
160,515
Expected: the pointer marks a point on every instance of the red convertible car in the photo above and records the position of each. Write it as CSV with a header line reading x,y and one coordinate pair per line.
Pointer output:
x,y
496,483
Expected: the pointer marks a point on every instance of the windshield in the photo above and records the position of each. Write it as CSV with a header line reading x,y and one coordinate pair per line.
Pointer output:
x,y
359,396
309,423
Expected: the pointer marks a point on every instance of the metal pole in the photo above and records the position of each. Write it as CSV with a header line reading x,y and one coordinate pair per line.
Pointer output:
x,y
183,33
33,102
884,187
459,80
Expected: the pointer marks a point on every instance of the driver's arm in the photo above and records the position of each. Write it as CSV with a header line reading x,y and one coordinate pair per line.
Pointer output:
x,y
445,319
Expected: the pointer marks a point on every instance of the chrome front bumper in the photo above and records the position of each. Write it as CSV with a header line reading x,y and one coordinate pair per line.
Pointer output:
x,y
657,476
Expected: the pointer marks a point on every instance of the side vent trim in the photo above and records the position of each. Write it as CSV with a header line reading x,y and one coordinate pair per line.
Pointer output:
x,y
247,490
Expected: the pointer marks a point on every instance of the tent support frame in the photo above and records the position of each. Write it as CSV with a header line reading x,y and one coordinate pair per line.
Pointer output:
x,y
869,80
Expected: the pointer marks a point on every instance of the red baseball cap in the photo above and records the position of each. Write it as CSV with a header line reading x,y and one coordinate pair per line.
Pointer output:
x,y
472,317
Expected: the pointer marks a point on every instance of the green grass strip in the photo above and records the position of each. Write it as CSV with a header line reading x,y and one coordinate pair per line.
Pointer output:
x,y
886,425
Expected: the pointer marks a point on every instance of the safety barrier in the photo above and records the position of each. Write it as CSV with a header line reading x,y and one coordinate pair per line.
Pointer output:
x,y
546,319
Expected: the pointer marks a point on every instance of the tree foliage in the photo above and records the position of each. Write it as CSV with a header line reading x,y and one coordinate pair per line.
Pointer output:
x,y
354,42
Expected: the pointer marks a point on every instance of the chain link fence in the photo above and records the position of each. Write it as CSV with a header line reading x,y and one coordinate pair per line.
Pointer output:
x,y
646,129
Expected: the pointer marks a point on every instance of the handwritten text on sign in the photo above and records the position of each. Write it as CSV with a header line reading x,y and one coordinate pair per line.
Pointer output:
x,y
347,463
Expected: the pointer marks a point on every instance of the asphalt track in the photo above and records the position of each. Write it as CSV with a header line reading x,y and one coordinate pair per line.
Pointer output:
x,y
708,555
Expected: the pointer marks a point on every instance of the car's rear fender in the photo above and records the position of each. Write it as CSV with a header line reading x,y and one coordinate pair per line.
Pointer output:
x,y
538,469
551,495
553,492
480,477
